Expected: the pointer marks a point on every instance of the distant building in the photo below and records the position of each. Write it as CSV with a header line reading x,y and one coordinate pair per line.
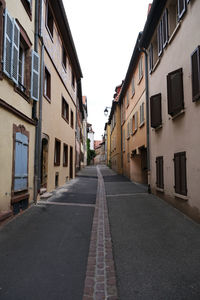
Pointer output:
x,y
90,135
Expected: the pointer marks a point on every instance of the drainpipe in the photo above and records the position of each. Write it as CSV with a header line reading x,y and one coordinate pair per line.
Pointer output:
x,y
121,140
147,115
37,163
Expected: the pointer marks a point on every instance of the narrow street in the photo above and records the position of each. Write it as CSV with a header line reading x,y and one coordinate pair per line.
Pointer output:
x,y
99,237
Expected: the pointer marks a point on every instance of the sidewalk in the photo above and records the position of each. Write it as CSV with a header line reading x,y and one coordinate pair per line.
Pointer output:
x,y
156,248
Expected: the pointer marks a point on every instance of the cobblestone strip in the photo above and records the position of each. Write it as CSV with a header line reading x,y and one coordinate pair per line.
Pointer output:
x,y
100,282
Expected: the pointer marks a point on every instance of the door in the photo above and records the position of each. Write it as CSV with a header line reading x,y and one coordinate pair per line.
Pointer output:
x,y
71,163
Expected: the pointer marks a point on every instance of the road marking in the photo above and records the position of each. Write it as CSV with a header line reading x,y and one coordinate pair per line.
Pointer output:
x,y
41,203
119,195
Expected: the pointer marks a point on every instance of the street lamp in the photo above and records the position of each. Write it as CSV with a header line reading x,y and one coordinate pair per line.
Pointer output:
x,y
106,110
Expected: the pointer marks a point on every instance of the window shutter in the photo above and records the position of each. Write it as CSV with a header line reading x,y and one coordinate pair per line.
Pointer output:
x,y
183,173
181,8
165,31
21,162
175,92
155,109
8,35
35,76
136,120
160,38
195,63
177,173
133,86
15,52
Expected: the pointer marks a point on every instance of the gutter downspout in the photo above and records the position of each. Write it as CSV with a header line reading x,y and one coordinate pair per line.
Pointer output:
x,y
121,140
37,163
147,115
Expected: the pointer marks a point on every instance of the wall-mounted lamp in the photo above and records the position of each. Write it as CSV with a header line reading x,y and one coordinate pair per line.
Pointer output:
x,y
106,110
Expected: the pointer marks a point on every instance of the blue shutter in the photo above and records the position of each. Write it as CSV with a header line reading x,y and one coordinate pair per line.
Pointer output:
x,y
8,35
21,162
15,52
35,76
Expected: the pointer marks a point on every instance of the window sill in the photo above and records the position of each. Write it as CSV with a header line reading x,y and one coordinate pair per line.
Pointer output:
x,y
158,127
178,114
56,164
134,132
174,32
140,79
160,189
133,94
183,197
65,119
141,124
128,138
47,98
21,93
49,32
156,64
65,165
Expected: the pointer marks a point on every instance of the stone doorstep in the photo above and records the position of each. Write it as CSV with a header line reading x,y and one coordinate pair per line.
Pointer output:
x,y
4,215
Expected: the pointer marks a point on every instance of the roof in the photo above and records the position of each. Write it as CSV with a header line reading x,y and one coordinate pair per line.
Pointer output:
x,y
152,21
63,25
131,67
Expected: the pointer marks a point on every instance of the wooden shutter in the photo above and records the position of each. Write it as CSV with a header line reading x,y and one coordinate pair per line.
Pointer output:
x,y
35,66
21,162
159,172
175,92
165,31
180,173
15,52
160,39
8,35
195,63
181,8
155,110
136,120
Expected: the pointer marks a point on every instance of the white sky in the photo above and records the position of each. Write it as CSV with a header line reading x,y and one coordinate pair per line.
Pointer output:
x,y
104,33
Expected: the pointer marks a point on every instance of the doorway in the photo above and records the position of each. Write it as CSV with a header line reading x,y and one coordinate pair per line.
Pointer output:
x,y
71,163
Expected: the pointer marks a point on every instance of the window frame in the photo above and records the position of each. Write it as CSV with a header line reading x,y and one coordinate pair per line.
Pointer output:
x,y
28,7
179,186
2,7
57,152
47,84
64,58
142,119
50,29
72,119
65,155
140,67
65,103
195,94
156,104
184,9
160,172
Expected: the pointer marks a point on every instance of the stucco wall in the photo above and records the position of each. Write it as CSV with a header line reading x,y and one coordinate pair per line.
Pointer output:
x,y
182,133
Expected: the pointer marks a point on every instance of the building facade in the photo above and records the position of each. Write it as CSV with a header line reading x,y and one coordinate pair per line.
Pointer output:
x,y
61,93
19,69
172,42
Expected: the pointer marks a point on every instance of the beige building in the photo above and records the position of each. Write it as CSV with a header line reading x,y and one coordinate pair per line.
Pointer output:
x,y
173,42
133,118
115,133
61,93
19,85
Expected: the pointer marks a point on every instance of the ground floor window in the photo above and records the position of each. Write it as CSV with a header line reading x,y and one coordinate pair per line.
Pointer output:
x,y
180,173
159,172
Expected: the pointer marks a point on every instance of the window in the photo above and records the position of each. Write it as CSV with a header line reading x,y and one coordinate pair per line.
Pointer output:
x,y
165,30
180,173
128,130
140,69
57,153
28,7
73,80
175,92
35,76
21,67
135,122
123,145
181,8
65,110
49,19
160,38
155,109
195,63
127,99
2,5
47,84
142,113
133,86
64,57
151,58
172,16
159,172
65,155
72,119
21,144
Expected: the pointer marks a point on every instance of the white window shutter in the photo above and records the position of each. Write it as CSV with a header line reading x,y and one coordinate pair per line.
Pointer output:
x,y
8,35
15,52
35,67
